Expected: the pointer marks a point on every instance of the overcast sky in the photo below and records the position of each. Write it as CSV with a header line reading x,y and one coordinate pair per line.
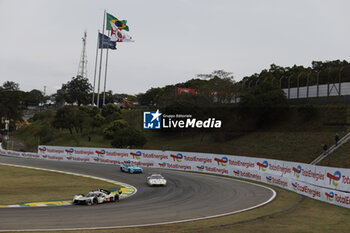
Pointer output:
x,y
40,42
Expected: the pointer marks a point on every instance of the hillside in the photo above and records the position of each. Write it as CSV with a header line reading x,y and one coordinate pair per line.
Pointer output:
x,y
298,137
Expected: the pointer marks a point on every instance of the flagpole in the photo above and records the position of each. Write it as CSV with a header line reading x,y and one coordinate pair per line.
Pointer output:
x,y
96,58
104,88
99,72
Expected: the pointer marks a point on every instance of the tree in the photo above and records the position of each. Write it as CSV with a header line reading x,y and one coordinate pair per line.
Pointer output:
x,y
98,121
77,91
264,103
128,137
65,118
111,112
34,97
122,134
217,74
114,127
151,97
10,86
11,101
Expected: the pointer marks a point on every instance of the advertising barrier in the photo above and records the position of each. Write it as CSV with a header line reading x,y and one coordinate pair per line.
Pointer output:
x,y
328,184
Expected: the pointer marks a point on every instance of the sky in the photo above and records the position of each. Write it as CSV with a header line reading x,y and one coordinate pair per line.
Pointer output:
x,y
41,40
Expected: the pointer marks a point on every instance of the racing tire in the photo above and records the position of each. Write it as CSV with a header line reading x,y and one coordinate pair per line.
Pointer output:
x,y
94,201
116,198
121,169
130,171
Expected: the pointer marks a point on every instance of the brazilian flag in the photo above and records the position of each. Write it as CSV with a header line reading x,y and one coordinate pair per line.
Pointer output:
x,y
119,23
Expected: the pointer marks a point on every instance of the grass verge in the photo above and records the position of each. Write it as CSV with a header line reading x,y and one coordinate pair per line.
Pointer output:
x,y
19,185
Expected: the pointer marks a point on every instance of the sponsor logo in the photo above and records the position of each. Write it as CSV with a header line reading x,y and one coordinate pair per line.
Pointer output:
x,y
263,166
97,159
223,161
297,171
269,179
69,153
100,153
216,170
152,156
334,178
240,163
306,189
162,165
136,155
197,159
236,172
200,168
279,168
330,196
342,199
295,186
42,149
178,166
178,157
151,120
250,175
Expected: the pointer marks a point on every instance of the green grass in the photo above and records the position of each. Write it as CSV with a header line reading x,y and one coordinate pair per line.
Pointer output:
x,y
19,185
339,158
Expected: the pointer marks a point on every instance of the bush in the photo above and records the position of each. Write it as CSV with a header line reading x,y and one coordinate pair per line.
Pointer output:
x,y
114,127
110,109
128,137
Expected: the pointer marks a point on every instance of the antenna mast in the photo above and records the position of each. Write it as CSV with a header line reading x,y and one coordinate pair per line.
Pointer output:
x,y
82,69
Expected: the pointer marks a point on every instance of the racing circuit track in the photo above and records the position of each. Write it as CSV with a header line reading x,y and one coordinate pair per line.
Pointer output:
x,y
187,196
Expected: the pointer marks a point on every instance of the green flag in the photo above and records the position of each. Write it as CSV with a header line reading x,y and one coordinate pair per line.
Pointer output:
x,y
109,18
119,23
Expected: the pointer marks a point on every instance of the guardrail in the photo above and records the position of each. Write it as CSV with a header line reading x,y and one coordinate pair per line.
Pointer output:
x,y
328,184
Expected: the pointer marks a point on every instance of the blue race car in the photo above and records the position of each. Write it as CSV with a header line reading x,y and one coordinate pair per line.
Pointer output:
x,y
128,166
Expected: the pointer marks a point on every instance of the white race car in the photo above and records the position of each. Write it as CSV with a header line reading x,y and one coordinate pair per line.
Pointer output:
x,y
156,180
96,197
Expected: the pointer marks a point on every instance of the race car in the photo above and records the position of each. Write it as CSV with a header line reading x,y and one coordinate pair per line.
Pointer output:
x,y
128,166
96,197
156,180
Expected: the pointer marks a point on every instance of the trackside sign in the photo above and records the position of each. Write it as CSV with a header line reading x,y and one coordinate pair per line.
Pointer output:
x,y
328,184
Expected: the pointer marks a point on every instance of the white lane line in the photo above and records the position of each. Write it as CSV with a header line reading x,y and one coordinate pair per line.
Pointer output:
x,y
274,194
132,190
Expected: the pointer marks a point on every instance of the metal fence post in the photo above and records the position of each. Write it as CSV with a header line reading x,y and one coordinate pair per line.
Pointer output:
x,y
328,82
307,85
339,87
318,89
298,85
289,87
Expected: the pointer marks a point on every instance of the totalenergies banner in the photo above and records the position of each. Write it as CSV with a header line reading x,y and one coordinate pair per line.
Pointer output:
x,y
327,184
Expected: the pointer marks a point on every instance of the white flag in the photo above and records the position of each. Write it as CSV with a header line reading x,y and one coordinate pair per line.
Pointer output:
x,y
118,35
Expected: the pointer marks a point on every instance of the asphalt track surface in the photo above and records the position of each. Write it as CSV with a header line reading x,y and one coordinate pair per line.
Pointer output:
x,y
186,196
